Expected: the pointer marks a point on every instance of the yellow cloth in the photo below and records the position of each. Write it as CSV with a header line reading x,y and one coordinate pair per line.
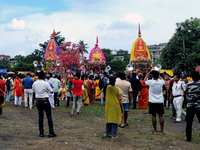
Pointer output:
x,y
134,48
112,106
189,79
97,90
13,91
170,72
85,97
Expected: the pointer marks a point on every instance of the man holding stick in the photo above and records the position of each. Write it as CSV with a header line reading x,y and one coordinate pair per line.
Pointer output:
x,y
2,94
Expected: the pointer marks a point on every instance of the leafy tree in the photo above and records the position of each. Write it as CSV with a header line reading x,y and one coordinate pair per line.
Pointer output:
x,y
4,64
118,65
22,66
84,48
24,63
182,51
107,53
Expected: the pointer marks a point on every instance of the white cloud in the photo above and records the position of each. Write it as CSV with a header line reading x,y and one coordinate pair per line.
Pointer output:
x,y
15,25
33,36
114,21
133,18
20,53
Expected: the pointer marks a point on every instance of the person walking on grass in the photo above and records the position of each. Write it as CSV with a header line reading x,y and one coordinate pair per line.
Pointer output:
x,y
126,89
57,86
2,94
103,82
9,85
41,88
113,108
77,93
156,99
51,95
178,90
28,92
193,104
136,87
18,90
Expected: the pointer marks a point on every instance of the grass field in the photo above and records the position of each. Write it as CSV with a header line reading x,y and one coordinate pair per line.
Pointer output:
x,y
19,130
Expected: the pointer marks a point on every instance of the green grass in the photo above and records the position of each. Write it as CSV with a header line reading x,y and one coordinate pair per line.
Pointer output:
x,y
87,132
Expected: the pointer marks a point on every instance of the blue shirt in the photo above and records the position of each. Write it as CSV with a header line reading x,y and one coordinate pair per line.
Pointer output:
x,y
27,82
50,83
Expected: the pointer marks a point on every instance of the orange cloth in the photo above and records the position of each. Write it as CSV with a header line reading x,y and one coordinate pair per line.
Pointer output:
x,y
143,97
18,90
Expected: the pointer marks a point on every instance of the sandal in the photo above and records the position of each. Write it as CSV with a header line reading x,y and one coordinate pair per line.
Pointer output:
x,y
172,117
185,139
153,132
79,116
71,115
105,135
163,133
121,126
126,125
114,137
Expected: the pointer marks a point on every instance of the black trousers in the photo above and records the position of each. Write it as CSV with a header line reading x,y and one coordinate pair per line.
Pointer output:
x,y
190,116
56,100
165,101
44,106
134,102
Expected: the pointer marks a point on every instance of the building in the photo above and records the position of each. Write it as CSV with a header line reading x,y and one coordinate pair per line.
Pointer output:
x,y
122,54
6,57
156,50
13,62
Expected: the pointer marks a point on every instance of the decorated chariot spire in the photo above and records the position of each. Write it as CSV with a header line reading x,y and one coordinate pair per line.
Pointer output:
x,y
97,42
53,34
139,32
139,49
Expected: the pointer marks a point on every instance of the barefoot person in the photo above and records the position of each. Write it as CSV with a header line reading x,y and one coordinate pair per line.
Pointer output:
x,y
2,94
77,93
156,99
41,88
113,108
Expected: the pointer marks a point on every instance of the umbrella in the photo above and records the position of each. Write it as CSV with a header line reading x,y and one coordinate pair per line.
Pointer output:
x,y
10,73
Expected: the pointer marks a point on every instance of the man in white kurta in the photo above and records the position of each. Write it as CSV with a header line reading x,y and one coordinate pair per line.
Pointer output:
x,y
178,90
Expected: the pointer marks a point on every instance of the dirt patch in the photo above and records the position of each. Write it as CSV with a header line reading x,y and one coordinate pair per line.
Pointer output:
x,y
19,130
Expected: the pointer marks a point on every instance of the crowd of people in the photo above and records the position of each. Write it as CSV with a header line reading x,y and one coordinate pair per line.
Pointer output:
x,y
118,92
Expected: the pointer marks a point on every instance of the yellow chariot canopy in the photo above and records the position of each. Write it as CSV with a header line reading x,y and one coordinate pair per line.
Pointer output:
x,y
139,48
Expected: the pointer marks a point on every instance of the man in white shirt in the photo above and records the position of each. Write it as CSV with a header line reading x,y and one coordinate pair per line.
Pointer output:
x,y
126,89
178,90
42,89
156,99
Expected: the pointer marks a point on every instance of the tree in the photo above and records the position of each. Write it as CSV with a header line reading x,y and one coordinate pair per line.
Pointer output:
x,y
107,53
4,64
22,66
83,46
118,65
182,51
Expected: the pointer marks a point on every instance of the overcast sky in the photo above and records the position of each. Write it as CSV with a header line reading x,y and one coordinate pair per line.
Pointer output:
x,y
24,24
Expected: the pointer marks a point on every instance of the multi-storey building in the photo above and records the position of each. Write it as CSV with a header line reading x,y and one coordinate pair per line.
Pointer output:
x,y
156,50
6,57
